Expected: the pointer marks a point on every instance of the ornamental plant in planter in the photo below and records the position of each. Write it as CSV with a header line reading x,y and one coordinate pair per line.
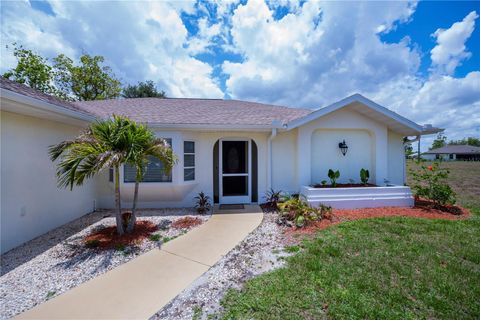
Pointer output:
x,y
364,176
333,175
431,182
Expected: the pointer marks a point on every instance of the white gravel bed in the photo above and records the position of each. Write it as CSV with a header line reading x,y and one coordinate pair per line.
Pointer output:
x,y
259,252
58,260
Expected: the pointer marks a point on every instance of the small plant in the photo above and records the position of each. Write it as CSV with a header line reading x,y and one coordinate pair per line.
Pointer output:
x,y
120,247
364,176
272,199
351,181
50,294
431,182
298,212
202,204
323,182
333,175
94,243
155,237
326,212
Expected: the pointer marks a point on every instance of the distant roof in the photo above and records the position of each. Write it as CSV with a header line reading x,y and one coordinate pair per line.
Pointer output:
x,y
193,111
35,94
457,149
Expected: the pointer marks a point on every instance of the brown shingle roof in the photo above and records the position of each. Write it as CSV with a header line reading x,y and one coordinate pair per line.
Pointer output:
x,y
172,110
193,111
32,93
457,149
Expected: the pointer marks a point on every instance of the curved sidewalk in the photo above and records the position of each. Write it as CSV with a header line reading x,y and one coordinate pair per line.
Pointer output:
x,y
142,286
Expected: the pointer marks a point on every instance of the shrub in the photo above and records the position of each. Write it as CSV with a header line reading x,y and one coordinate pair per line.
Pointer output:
x,y
155,237
431,182
94,243
298,211
323,182
364,176
333,175
272,199
202,203
326,212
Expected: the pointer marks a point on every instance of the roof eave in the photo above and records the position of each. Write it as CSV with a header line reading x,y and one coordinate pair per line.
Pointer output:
x,y
416,128
42,106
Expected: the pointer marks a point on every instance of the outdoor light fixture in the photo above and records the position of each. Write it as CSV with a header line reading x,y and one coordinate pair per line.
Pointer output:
x,y
343,147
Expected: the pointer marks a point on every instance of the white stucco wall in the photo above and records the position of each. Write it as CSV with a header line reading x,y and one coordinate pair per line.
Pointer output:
x,y
179,193
31,203
327,155
284,162
348,124
396,159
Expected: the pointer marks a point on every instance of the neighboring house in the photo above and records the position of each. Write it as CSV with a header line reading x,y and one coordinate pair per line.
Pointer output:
x,y
453,152
232,150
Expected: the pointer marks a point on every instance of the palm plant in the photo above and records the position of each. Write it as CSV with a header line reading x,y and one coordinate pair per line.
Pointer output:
x,y
104,144
144,145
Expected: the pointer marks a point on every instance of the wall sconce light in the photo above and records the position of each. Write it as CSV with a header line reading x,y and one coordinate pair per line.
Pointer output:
x,y
343,147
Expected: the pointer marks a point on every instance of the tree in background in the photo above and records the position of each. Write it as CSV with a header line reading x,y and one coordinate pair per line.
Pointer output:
x,y
440,141
471,141
32,70
87,81
142,90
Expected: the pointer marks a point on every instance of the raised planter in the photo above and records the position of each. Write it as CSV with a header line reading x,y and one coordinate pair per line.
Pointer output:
x,y
359,197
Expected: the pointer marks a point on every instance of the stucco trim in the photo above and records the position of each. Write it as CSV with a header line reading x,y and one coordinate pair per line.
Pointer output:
x,y
416,128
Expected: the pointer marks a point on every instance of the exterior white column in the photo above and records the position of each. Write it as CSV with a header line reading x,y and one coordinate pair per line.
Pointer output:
x,y
304,170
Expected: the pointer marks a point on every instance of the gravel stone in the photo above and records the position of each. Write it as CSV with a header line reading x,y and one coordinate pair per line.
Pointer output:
x,y
58,260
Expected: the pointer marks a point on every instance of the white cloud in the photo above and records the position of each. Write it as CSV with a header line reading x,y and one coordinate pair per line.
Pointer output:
x,y
450,49
140,40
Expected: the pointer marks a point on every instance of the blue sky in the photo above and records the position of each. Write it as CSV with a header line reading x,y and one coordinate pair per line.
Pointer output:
x,y
420,59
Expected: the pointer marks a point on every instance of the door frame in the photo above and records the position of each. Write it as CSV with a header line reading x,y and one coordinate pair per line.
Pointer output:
x,y
235,199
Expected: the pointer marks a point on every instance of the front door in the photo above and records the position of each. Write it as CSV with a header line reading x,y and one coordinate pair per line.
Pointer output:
x,y
235,167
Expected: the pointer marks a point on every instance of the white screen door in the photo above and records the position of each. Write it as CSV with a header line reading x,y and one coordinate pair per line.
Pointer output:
x,y
235,167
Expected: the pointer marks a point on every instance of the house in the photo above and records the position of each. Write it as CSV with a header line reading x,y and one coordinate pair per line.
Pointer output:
x,y
453,152
232,150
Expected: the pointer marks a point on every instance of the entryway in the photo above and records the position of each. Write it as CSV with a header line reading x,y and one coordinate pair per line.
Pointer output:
x,y
235,171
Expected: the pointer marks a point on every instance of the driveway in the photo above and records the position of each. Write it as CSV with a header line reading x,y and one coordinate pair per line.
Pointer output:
x,y
142,286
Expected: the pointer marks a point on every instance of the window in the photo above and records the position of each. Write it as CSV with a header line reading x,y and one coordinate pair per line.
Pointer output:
x,y
188,160
110,174
154,172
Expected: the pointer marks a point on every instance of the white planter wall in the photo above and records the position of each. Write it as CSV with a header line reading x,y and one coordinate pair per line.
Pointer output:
x,y
359,197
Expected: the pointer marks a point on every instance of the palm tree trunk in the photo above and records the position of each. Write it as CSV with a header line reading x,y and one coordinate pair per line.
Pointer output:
x,y
133,218
118,204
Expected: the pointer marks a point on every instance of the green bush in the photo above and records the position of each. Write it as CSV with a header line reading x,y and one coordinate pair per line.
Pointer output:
x,y
301,213
92,243
155,237
431,182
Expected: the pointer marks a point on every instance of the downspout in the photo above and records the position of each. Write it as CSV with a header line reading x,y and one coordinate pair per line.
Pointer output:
x,y
270,158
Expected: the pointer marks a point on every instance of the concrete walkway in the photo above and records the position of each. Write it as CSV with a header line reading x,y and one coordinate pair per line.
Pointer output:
x,y
142,286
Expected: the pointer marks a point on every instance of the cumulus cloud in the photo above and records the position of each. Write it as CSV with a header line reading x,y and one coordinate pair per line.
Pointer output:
x,y
140,40
450,49
294,53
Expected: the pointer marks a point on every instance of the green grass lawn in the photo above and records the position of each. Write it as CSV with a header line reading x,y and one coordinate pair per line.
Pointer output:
x,y
385,268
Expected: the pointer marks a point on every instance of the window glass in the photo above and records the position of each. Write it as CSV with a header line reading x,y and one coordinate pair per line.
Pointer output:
x,y
155,171
188,160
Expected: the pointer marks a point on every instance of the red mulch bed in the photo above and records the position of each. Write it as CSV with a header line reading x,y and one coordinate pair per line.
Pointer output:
x,y
422,209
107,238
186,222
345,185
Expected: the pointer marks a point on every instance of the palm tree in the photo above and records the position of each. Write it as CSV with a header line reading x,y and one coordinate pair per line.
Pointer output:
x,y
146,145
105,144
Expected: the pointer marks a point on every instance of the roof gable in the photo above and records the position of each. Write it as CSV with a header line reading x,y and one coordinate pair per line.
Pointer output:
x,y
368,108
